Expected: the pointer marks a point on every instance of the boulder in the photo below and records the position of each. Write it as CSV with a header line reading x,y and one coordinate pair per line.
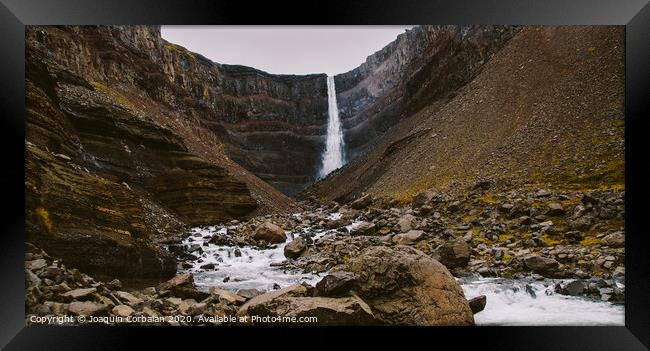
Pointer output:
x,y
361,202
295,248
227,296
35,264
293,290
128,298
269,233
454,253
542,265
404,286
407,238
349,310
555,209
79,294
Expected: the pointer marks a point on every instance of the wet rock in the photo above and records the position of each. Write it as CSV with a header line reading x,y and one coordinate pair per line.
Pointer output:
x,y
361,202
335,284
454,253
477,304
338,223
207,266
542,265
403,286
295,248
269,233
574,288
408,238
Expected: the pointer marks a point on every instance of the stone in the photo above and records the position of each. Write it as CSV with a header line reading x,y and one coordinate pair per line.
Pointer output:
x,y
575,288
409,237
404,286
186,292
335,284
406,223
269,233
292,290
542,265
122,310
227,296
616,239
477,304
128,298
349,310
364,228
114,284
79,294
35,264
454,254
362,202
249,293
555,209
87,308
294,248
181,279
422,199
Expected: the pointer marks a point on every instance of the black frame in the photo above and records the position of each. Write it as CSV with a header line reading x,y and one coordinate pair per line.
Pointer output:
x,y
15,14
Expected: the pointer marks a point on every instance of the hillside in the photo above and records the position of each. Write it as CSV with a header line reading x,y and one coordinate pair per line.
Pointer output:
x,y
546,109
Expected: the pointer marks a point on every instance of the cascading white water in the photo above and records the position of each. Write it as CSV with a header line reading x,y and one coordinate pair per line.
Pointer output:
x,y
333,157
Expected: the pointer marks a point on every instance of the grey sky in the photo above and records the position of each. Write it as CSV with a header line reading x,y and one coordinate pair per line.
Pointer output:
x,y
285,49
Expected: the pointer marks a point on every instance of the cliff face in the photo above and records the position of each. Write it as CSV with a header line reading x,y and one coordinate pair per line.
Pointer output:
x,y
123,147
423,65
547,108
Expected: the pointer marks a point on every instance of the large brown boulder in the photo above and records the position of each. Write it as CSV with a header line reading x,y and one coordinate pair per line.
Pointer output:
x,y
269,233
454,253
404,286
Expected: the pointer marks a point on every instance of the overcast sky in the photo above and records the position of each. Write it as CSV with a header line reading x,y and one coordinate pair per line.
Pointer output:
x,y
285,49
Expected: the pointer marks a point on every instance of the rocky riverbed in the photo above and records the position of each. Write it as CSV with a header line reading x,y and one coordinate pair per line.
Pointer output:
x,y
524,257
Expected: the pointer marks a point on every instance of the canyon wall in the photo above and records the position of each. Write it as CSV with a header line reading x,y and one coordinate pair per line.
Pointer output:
x,y
423,65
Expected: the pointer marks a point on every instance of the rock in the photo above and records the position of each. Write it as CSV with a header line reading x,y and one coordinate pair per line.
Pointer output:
x,y
269,233
328,310
541,265
364,228
403,286
616,239
207,266
87,308
79,294
292,290
249,293
361,202
454,253
35,264
128,298
337,223
422,199
114,284
405,223
227,296
555,209
574,288
122,310
407,238
477,304
186,292
32,278
181,279
295,248
335,284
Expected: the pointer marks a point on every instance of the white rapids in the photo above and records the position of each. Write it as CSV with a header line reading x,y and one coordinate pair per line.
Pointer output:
x,y
508,302
334,156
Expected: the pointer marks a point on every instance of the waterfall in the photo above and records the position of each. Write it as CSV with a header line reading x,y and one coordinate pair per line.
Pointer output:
x,y
333,157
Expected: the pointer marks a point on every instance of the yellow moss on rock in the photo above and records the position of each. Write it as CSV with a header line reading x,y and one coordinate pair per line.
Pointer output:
x,y
45,218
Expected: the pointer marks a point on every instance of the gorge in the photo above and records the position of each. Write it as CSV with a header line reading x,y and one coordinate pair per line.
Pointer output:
x,y
468,161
